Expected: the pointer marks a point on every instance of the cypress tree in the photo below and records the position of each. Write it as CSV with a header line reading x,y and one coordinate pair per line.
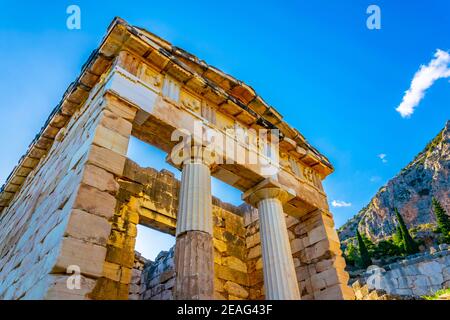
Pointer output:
x,y
443,220
364,254
398,240
411,246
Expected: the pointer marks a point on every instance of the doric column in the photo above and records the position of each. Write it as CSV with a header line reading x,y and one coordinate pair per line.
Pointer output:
x,y
194,255
280,280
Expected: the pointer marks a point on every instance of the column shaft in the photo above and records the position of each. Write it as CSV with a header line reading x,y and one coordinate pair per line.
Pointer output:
x,y
195,204
194,255
280,280
194,266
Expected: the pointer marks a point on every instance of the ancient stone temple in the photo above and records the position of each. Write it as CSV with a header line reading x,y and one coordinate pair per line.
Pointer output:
x,y
69,210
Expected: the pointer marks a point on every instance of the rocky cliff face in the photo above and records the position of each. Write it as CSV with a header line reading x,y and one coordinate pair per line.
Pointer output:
x,y
410,191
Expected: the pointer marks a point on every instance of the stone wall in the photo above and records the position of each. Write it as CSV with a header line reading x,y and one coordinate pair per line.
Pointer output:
x,y
60,216
136,283
416,276
230,255
158,277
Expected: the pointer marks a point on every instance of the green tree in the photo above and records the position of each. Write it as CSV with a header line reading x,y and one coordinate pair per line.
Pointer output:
x,y
363,253
398,241
369,244
443,220
385,248
351,255
410,245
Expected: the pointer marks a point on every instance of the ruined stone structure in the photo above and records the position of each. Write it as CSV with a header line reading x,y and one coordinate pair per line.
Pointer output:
x,y
417,275
74,200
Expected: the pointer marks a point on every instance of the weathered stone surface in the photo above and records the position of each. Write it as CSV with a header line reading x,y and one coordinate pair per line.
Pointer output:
x,y
94,201
194,264
100,179
412,278
235,290
88,257
234,263
88,227
59,290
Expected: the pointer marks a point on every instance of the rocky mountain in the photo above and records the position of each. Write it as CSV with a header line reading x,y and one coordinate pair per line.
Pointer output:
x,y
410,191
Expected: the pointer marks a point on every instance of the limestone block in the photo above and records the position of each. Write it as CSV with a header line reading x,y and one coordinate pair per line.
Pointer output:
x,y
291,221
302,273
100,179
219,245
421,281
120,108
125,276
88,227
88,257
218,285
109,160
321,248
136,276
430,268
234,263
116,123
94,201
59,290
297,245
235,290
254,252
318,283
112,271
226,273
111,140
320,233
253,240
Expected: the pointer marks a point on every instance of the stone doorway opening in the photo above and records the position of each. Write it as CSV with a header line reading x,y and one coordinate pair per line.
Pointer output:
x,y
153,273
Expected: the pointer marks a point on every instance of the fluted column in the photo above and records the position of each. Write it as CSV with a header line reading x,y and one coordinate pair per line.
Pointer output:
x,y
280,280
194,255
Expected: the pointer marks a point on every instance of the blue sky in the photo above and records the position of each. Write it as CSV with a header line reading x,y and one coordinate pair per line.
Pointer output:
x,y
330,76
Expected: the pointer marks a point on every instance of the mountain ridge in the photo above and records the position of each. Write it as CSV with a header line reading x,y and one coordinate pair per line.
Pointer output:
x,y
411,191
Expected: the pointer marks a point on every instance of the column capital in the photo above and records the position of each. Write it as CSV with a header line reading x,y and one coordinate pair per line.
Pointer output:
x,y
267,189
181,155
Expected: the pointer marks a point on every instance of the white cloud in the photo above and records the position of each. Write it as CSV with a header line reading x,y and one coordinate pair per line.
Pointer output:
x,y
375,179
383,156
437,68
339,204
